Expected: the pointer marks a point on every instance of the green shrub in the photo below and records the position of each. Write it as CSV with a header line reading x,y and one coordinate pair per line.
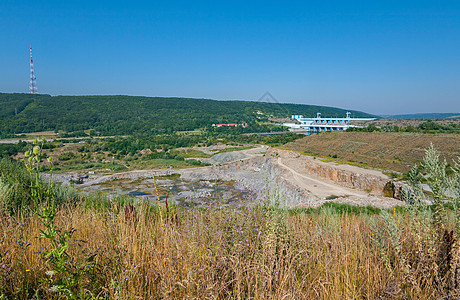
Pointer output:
x,y
195,162
15,188
15,185
66,156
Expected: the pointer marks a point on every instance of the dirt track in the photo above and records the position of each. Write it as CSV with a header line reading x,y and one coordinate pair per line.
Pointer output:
x,y
253,169
319,187
325,190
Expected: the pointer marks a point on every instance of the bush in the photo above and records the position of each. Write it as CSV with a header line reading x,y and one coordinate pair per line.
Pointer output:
x,y
66,156
15,188
15,185
195,162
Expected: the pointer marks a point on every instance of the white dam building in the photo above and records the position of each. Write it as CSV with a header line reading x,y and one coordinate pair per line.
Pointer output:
x,y
318,124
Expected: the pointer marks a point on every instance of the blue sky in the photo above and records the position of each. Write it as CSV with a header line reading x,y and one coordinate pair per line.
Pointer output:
x,y
382,57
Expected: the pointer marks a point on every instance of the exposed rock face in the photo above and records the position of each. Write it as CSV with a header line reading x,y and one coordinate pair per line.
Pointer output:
x,y
287,179
348,178
265,176
277,185
395,189
344,175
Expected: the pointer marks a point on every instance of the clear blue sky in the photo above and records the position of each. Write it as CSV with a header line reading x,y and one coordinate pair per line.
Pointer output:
x,y
382,57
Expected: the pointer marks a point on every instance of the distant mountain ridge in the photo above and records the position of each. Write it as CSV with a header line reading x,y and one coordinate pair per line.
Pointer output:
x,y
424,116
130,114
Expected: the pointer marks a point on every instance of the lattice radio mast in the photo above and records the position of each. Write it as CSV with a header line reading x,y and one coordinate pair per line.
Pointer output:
x,y
33,81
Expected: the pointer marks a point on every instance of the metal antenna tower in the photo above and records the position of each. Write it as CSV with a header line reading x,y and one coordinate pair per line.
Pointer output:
x,y
33,81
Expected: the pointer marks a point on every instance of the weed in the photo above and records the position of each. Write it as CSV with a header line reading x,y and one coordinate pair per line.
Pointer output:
x,y
45,207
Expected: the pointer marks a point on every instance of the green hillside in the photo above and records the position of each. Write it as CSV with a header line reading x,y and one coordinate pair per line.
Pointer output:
x,y
20,113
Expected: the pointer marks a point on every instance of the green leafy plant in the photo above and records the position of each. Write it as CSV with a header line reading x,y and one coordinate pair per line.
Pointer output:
x,y
45,207
443,183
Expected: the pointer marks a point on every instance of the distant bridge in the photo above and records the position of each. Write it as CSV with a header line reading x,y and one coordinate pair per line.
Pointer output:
x,y
318,124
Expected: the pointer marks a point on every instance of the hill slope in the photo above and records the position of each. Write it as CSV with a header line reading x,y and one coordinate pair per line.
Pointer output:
x,y
383,150
128,114
426,116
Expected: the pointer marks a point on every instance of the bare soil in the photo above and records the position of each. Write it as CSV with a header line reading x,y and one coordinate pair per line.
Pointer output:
x,y
239,175
325,190
382,150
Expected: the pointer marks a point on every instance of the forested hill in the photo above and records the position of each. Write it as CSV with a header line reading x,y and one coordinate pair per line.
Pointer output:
x,y
113,115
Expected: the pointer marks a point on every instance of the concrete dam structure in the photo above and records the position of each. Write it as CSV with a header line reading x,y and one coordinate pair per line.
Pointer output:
x,y
318,124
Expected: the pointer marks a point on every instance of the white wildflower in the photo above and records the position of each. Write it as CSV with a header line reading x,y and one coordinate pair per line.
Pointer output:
x,y
54,288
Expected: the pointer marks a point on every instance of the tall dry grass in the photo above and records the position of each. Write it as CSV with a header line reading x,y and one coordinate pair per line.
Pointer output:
x,y
260,253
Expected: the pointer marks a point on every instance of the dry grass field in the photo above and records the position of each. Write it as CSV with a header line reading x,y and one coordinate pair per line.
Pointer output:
x,y
211,253
58,244
383,150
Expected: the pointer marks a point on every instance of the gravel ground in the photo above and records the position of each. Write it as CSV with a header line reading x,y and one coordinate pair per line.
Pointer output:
x,y
266,178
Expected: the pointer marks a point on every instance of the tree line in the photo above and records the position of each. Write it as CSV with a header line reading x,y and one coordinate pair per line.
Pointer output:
x,y
121,115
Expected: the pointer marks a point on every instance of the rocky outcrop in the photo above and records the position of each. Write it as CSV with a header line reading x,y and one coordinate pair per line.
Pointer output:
x,y
395,189
264,175
283,178
345,175
349,178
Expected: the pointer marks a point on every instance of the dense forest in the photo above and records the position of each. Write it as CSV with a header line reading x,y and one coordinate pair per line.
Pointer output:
x,y
115,115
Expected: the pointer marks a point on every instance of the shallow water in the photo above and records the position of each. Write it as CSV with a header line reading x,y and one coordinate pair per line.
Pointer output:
x,y
178,191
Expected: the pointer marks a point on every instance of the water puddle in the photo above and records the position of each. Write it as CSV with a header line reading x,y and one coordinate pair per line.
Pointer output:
x,y
178,191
